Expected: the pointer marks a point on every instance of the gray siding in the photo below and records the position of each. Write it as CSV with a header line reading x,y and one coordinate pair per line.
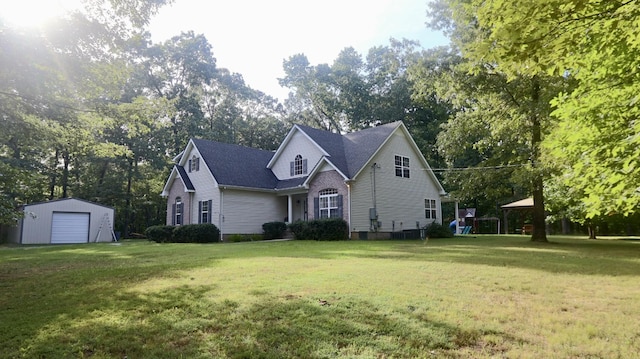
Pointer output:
x,y
35,227
398,200
206,189
244,212
299,144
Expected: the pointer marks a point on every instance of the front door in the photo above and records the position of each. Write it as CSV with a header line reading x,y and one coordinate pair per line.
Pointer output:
x,y
305,210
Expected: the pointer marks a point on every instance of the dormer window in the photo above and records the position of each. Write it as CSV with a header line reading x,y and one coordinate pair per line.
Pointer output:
x,y
194,164
298,166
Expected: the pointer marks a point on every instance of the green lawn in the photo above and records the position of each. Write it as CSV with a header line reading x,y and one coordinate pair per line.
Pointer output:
x,y
462,297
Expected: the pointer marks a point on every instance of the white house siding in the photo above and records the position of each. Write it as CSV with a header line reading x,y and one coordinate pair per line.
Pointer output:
x,y
399,200
36,226
299,144
244,212
325,180
206,189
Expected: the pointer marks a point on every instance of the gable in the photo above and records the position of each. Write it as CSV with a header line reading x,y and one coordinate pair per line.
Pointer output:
x,y
304,152
296,144
178,172
401,144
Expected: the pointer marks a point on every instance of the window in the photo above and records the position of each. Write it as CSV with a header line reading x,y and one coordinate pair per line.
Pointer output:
x,y
298,166
402,166
328,203
194,164
430,208
205,211
178,211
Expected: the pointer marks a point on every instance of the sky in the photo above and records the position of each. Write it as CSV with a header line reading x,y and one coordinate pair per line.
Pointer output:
x,y
254,37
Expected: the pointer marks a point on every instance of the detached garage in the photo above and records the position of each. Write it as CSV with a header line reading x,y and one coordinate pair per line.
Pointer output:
x,y
64,221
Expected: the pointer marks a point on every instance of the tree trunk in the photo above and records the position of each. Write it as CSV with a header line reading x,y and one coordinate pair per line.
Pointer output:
x,y
54,168
539,226
65,173
566,225
592,231
127,206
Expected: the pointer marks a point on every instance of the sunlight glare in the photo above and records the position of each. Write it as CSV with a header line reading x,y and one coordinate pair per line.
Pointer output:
x,y
33,13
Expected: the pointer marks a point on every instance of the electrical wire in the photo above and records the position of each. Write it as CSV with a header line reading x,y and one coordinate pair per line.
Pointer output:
x,y
478,168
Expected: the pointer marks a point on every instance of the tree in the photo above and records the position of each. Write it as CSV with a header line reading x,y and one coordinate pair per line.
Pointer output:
x,y
52,82
355,93
458,18
488,141
595,141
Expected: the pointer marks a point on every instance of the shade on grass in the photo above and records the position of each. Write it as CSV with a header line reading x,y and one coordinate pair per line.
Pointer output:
x,y
461,297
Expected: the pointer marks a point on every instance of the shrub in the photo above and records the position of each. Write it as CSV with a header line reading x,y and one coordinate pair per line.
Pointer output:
x,y
333,229
301,230
235,238
437,230
256,237
196,233
273,230
159,234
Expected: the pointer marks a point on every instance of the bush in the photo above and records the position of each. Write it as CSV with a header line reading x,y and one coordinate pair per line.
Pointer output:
x,y
196,233
333,229
437,230
235,238
159,234
273,230
301,230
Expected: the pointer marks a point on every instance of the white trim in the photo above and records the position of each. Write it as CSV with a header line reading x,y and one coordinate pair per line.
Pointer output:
x,y
172,177
349,205
317,167
285,142
415,147
402,166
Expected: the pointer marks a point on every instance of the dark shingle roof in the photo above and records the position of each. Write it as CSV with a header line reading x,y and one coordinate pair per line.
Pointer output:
x,y
360,146
240,166
331,143
185,178
291,183
351,151
235,165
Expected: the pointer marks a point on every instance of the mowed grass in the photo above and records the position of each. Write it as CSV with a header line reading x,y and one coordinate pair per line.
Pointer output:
x,y
482,297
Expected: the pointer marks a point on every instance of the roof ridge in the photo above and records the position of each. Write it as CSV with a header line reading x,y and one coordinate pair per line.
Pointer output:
x,y
230,144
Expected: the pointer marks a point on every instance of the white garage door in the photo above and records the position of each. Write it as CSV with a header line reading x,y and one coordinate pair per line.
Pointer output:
x,y
70,227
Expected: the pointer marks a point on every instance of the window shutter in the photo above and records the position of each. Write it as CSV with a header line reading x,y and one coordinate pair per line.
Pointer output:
x,y
209,218
199,212
198,164
292,167
189,166
304,166
316,207
173,214
181,206
340,211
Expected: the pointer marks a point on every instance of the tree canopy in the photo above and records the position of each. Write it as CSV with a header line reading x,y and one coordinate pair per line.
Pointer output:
x,y
594,143
91,108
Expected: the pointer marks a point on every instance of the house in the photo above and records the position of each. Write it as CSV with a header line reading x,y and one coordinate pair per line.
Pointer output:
x,y
63,221
376,179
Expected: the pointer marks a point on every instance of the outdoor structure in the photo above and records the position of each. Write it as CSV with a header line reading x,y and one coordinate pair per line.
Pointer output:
x,y
61,221
522,206
375,179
